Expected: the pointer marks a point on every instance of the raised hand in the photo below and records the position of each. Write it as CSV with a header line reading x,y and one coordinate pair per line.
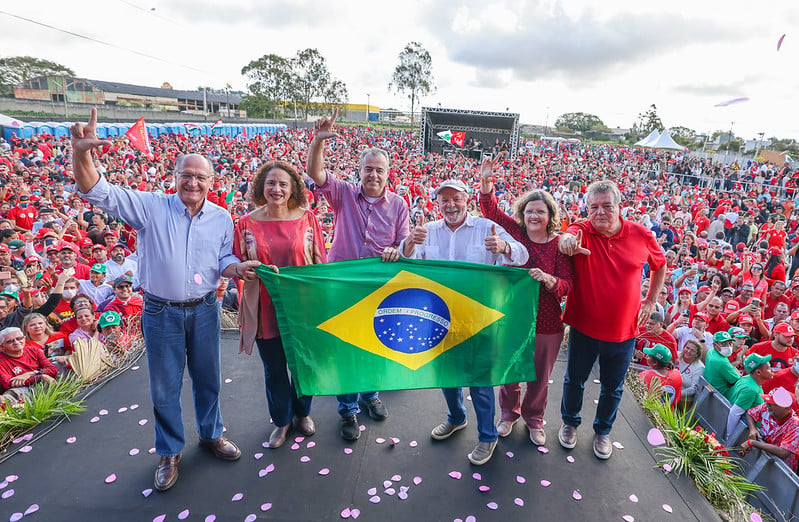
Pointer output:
x,y
419,233
323,127
489,164
84,136
494,243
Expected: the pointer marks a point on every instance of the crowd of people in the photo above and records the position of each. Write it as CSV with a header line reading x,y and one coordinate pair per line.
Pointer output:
x,y
699,259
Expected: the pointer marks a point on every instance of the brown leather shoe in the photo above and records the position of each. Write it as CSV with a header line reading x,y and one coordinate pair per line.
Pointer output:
x,y
222,448
304,425
166,474
278,436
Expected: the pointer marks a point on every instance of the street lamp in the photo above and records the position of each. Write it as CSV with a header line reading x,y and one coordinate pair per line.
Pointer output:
x,y
368,104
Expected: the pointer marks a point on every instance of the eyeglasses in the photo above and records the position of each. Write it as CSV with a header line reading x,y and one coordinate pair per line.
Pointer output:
x,y
199,178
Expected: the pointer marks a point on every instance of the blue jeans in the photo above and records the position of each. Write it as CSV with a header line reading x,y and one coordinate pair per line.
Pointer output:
x,y
484,409
176,337
281,395
348,404
614,359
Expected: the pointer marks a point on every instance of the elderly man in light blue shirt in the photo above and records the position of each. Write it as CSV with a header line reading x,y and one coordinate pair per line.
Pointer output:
x,y
461,237
185,246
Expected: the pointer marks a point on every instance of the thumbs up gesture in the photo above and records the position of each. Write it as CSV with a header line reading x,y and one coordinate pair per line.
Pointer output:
x,y
572,245
419,233
494,243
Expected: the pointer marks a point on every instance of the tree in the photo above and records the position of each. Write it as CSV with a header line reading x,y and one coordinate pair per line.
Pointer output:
x,y
269,83
310,78
579,122
17,69
335,93
413,74
647,122
683,136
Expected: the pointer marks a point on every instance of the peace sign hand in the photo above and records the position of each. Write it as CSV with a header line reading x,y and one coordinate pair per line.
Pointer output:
x,y
489,164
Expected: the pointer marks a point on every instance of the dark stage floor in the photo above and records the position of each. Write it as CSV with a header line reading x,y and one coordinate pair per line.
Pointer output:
x,y
102,470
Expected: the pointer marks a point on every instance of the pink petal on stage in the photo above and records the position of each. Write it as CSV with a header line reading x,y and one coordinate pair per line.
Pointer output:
x,y
111,478
371,491
310,445
324,471
299,439
618,445
361,428
266,506
134,406
667,508
258,456
576,495
265,444
347,451
543,450
477,476
133,452
471,518
732,101
123,409
417,480
7,493
15,517
596,401
251,518
24,438
72,440
305,458
520,479
390,491
545,483
518,501
151,451
237,497
755,517
95,419
142,422
396,478
103,412
509,454
655,437
33,508
374,499
779,42
394,440
12,478
633,498
596,381
412,443
380,440
570,459
25,449
628,518
134,368
159,518
484,488
210,518
468,397
667,467
492,505
345,513
295,447
183,515
356,512
3,484
228,381
147,492
262,473
402,495
455,474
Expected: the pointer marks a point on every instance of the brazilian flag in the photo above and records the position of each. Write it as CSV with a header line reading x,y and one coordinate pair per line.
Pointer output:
x,y
367,325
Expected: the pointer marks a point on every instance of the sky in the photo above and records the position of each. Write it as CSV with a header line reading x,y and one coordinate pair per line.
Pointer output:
x,y
537,58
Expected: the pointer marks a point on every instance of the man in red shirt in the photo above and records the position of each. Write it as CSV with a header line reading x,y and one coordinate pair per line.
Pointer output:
x,y
775,295
780,348
653,333
609,265
21,366
716,321
23,215
68,256
126,303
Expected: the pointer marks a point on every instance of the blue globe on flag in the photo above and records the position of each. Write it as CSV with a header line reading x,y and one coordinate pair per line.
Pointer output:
x,y
412,320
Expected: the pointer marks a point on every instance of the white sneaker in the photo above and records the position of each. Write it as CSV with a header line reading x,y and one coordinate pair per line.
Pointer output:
x,y
504,427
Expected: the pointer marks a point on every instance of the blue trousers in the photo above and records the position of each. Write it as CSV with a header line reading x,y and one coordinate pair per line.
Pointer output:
x,y
614,359
281,396
175,338
348,403
484,409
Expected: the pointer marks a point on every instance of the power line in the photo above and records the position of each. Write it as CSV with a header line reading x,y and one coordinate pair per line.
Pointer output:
x,y
89,38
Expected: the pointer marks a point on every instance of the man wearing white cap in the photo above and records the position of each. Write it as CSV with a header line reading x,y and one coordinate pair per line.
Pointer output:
x,y
462,237
774,427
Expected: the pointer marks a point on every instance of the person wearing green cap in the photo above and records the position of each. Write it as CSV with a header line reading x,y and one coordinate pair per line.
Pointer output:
x,y
746,392
659,359
111,332
719,371
96,287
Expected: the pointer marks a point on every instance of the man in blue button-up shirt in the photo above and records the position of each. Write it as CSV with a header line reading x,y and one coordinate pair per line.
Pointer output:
x,y
184,246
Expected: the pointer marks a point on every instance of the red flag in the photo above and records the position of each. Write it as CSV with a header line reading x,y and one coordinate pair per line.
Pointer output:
x,y
244,131
217,122
458,138
137,135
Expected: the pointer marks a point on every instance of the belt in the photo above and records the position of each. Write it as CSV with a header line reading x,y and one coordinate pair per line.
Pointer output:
x,y
189,303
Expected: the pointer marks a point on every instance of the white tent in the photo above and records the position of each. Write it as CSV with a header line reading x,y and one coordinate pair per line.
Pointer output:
x,y
665,142
8,121
652,138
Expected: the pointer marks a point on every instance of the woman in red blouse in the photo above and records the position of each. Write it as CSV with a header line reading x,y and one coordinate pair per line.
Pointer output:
x,y
535,223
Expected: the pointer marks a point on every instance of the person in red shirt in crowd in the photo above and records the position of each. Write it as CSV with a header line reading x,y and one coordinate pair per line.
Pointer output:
x,y
701,220
125,303
68,256
775,295
21,365
786,378
24,214
774,427
716,321
99,254
659,359
85,250
742,302
774,270
781,349
776,236
727,295
793,298
651,334
610,264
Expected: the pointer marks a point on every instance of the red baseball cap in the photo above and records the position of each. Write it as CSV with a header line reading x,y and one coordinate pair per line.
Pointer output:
x,y
784,329
4,248
703,316
66,245
684,289
779,397
98,247
32,259
86,243
704,288
774,251
745,319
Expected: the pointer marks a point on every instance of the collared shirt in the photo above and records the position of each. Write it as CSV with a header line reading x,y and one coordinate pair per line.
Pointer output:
x,y
363,228
97,293
114,269
784,433
467,243
180,257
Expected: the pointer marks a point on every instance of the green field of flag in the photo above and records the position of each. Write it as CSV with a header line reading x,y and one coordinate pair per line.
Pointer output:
x,y
367,325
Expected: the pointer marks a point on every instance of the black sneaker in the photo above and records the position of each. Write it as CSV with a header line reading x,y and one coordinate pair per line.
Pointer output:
x,y
349,428
377,410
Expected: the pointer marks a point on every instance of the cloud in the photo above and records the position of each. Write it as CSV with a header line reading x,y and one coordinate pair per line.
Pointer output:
x,y
543,42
